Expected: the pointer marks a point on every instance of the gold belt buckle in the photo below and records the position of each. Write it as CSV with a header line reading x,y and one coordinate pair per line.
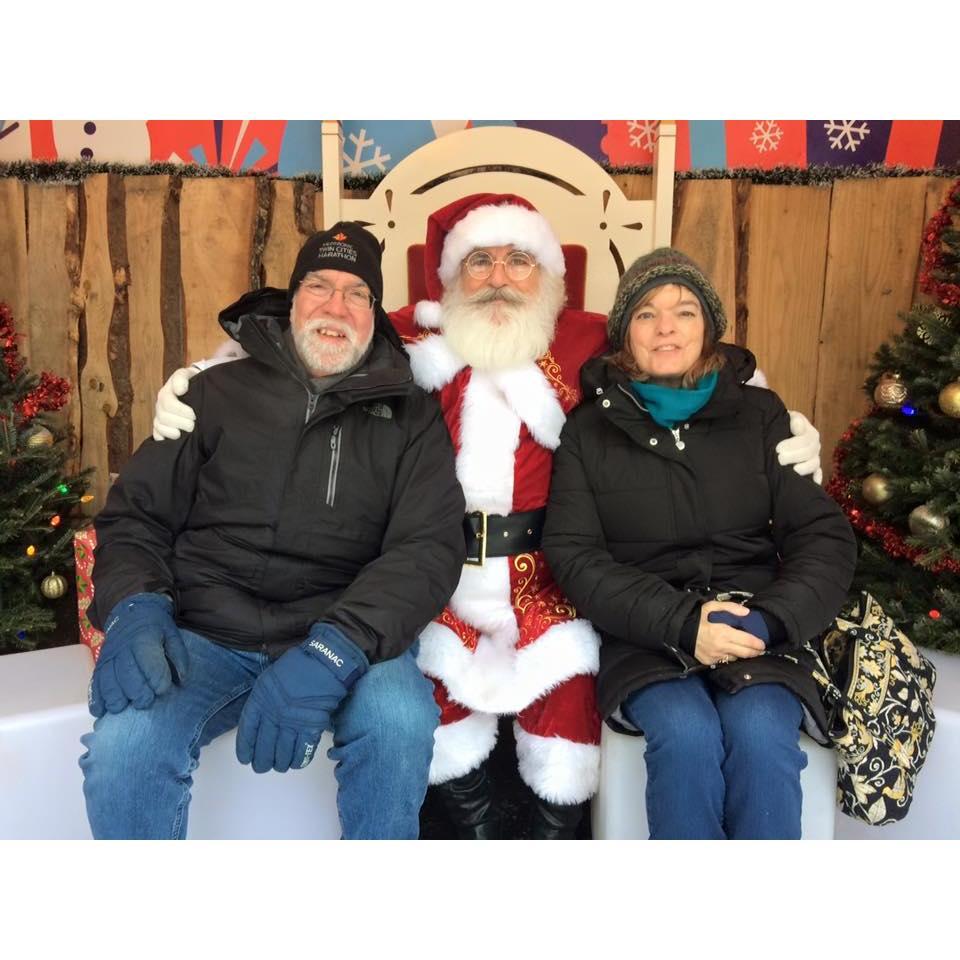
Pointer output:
x,y
482,537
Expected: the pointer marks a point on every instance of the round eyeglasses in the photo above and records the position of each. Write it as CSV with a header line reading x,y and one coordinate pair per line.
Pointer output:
x,y
355,298
517,265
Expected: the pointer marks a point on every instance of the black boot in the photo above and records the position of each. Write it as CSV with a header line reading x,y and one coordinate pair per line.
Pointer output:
x,y
555,821
469,802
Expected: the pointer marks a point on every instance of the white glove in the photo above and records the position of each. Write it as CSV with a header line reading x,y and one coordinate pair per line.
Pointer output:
x,y
802,450
170,416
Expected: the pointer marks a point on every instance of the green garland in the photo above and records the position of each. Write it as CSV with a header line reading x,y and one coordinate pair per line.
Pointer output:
x,y
75,171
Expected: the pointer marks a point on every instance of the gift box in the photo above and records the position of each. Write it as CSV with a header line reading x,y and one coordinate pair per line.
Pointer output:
x,y
84,542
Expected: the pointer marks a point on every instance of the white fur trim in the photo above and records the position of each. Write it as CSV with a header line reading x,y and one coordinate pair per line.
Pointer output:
x,y
462,746
482,599
759,379
497,678
498,226
560,771
489,436
534,401
428,314
433,363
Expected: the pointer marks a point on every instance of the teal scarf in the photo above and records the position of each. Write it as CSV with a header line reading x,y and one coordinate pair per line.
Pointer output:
x,y
672,405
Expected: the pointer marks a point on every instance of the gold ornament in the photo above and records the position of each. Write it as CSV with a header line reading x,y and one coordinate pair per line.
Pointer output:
x,y
925,522
41,437
876,489
949,399
890,391
53,586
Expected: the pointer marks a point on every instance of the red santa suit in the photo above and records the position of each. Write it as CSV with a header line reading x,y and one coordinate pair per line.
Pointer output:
x,y
509,642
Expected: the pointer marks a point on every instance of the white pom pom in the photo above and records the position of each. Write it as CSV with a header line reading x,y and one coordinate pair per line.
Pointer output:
x,y
429,314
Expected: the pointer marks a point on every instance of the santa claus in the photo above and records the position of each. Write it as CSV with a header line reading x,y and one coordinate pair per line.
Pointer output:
x,y
503,353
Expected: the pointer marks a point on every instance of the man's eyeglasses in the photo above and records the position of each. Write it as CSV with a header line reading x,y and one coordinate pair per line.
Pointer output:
x,y
517,265
355,298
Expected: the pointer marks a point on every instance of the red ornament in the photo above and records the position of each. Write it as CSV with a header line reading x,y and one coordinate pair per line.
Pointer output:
x,y
934,614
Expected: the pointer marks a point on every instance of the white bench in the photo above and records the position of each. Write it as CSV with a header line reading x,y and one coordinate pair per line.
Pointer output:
x,y
43,714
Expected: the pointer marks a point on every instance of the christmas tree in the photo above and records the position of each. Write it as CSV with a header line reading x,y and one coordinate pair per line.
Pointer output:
x,y
897,470
36,499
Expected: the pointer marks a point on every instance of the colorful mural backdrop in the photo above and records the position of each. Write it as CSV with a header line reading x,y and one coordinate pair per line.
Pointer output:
x,y
372,147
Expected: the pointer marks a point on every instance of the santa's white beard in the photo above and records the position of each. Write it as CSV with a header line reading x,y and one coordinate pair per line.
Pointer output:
x,y
496,329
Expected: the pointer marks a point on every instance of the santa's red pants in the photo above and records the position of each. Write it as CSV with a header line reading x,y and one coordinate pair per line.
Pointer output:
x,y
558,740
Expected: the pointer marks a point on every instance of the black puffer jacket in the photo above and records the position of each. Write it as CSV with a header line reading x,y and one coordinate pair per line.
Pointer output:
x,y
643,525
283,506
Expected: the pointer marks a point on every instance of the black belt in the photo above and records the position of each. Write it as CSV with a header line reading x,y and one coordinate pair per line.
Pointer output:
x,y
495,535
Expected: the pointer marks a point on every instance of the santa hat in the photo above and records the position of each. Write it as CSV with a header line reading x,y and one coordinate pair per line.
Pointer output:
x,y
482,220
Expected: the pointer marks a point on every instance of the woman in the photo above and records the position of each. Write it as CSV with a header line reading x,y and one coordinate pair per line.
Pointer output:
x,y
666,494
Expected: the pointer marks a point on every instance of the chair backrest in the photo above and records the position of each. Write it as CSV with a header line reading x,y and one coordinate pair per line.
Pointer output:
x,y
582,201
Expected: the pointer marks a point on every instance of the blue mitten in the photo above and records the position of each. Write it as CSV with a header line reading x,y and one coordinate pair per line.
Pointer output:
x,y
141,645
290,705
752,623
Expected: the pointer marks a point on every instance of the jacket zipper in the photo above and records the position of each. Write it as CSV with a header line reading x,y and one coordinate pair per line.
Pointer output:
x,y
312,400
334,466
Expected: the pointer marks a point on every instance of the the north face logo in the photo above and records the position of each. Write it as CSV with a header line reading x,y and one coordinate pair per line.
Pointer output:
x,y
379,410
341,237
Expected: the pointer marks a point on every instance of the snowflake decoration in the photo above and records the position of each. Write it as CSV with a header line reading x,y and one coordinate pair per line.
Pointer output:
x,y
766,135
845,134
643,133
357,166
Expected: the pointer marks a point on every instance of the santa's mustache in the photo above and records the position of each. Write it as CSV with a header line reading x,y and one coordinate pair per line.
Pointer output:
x,y
492,294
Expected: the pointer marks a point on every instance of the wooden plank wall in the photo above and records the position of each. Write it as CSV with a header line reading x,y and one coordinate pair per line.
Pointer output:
x,y
117,281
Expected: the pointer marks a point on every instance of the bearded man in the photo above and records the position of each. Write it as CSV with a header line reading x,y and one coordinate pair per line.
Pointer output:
x,y
503,353
256,573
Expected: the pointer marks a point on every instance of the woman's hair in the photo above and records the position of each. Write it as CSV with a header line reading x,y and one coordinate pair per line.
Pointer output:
x,y
710,358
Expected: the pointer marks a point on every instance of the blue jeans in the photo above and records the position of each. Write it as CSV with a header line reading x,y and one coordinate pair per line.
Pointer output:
x,y
719,765
138,764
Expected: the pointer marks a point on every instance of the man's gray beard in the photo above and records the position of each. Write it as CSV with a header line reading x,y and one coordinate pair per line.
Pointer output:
x,y
525,333
322,359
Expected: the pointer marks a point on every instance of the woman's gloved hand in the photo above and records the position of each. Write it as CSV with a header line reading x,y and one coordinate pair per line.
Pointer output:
x,y
718,642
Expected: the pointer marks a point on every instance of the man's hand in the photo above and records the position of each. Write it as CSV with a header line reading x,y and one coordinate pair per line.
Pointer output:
x,y
721,643
291,702
142,644
802,450
170,416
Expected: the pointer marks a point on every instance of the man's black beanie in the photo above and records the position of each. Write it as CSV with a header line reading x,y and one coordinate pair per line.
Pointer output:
x,y
345,246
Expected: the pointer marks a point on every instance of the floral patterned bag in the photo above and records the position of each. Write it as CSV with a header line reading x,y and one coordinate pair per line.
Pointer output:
x,y
878,691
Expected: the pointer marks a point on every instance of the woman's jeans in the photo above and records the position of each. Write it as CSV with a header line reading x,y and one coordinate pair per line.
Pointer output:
x,y
138,765
719,765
